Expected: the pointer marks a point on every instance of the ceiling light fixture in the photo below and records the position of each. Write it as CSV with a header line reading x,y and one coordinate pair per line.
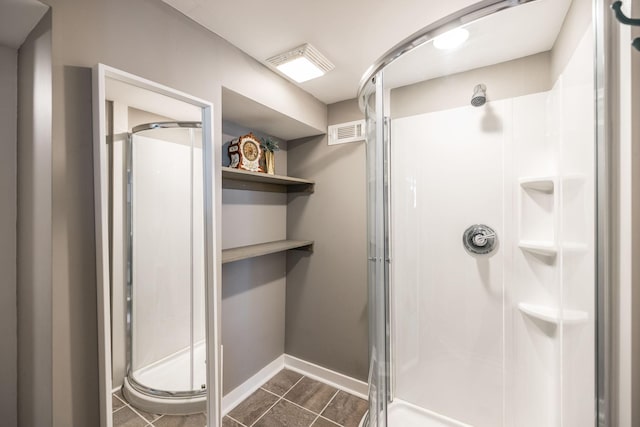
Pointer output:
x,y
451,39
302,63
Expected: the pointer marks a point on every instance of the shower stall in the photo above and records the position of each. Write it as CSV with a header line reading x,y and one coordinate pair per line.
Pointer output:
x,y
165,294
482,173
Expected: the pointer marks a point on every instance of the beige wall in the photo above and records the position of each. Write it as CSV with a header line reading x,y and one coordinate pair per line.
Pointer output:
x,y
509,79
576,23
8,207
522,76
34,232
152,40
326,317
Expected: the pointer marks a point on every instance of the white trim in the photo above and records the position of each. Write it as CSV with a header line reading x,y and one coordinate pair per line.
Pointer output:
x,y
327,376
244,390
101,186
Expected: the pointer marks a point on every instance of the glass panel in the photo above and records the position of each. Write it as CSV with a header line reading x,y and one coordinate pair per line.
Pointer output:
x,y
167,303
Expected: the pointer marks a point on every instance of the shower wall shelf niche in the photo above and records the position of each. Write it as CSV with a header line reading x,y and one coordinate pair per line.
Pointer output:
x,y
553,315
252,251
539,247
545,184
237,179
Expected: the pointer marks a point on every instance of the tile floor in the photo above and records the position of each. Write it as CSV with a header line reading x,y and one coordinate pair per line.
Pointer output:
x,y
289,399
124,415
293,400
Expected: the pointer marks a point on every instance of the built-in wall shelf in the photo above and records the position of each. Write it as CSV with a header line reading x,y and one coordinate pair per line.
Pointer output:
x,y
238,179
553,315
545,184
252,251
544,248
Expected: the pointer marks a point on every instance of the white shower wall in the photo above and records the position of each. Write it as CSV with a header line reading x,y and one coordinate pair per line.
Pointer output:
x,y
167,215
461,347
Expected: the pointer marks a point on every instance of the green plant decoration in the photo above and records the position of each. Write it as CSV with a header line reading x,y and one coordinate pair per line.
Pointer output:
x,y
269,144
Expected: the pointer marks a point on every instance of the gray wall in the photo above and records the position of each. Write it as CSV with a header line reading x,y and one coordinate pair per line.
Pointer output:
x,y
8,207
34,231
253,316
253,290
326,317
126,35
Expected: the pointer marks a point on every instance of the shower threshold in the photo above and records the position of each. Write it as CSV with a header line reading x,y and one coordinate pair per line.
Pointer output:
x,y
165,376
404,414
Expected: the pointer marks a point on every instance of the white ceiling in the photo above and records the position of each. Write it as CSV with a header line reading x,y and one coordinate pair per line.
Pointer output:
x,y
17,19
510,34
350,33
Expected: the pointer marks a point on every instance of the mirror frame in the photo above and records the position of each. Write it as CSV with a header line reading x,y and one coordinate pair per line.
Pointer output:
x,y
102,72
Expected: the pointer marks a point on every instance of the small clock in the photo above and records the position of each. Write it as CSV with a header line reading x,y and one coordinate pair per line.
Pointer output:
x,y
245,153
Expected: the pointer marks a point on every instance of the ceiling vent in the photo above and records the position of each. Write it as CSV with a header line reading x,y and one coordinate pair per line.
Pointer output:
x,y
302,63
347,132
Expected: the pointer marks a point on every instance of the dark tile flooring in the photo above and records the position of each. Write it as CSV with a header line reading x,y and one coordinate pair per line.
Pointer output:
x,y
292,400
289,399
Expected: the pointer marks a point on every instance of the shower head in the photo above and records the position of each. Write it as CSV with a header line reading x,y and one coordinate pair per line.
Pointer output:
x,y
479,95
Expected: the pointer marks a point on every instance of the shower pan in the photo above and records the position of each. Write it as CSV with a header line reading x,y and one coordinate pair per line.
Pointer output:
x,y
165,295
482,263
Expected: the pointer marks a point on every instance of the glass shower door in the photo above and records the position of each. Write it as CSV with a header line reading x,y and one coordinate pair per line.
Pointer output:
x,y
378,273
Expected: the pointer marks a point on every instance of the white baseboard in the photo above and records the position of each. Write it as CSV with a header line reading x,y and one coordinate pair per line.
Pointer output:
x,y
244,390
335,379
311,370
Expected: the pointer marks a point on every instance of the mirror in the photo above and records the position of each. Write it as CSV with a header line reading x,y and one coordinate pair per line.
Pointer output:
x,y
156,263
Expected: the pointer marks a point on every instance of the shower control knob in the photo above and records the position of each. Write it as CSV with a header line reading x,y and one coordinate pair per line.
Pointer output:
x,y
479,239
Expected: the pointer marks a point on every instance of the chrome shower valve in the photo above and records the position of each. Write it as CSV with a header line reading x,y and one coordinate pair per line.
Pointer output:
x,y
480,239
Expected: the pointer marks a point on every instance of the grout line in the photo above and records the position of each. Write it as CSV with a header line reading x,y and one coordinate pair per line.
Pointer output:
x,y
231,418
121,399
138,414
326,406
279,399
119,409
331,421
301,407
265,412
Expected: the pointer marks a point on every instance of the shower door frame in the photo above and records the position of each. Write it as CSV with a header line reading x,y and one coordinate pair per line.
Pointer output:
x,y
606,101
101,73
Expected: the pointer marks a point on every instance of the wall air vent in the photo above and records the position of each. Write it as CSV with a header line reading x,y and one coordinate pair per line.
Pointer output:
x,y
347,132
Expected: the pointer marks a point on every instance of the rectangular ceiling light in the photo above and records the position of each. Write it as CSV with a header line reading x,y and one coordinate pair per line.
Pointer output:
x,y
302,63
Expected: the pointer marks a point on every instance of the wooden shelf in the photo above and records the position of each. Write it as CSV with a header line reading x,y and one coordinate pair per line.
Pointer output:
x,y
252,251
238,179
539,247
544,184
553,315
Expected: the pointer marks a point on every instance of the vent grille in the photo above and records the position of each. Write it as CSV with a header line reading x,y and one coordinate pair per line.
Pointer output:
x,y
307,51
347,132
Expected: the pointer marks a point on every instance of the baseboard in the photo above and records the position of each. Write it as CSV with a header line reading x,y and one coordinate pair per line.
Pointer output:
x,y
335,379
244,390
311,370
